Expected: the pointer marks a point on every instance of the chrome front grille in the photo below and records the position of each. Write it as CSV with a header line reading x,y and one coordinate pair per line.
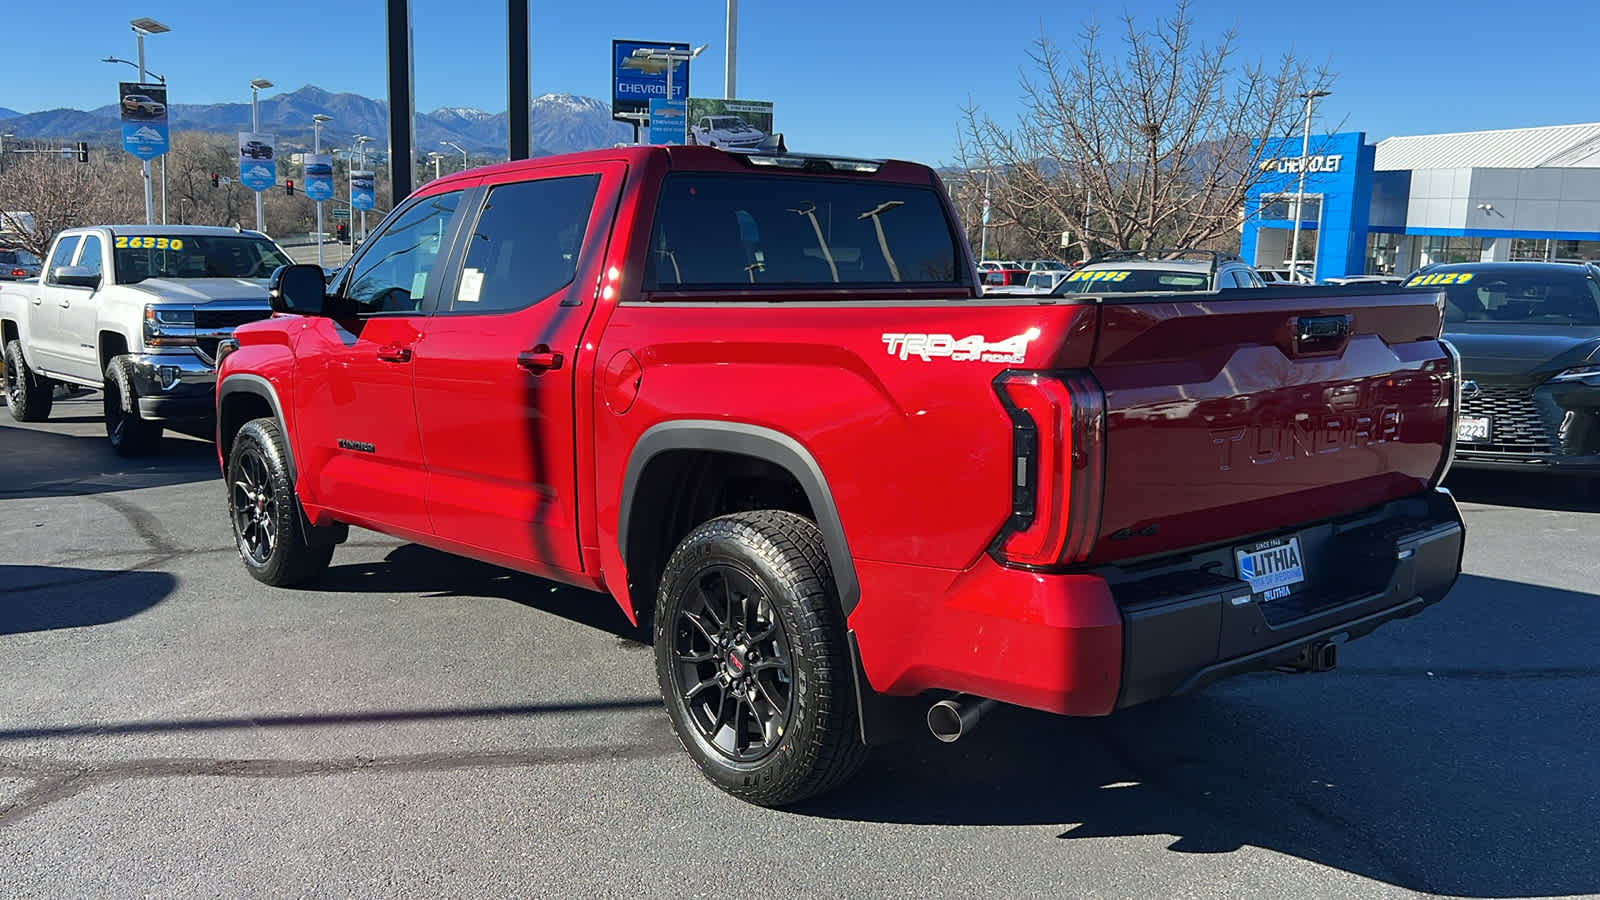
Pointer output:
x,y
1517,428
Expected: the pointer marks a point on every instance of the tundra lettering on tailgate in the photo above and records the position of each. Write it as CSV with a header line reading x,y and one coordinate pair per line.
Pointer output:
x,y
1270,442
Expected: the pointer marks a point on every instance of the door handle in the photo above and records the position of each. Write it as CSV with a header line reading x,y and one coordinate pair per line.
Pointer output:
x,y
66,304
394,353
38,301
539,359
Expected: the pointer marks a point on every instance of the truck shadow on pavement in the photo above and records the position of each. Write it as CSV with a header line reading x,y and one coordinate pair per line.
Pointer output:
x,y
45,598
43,463
1449,756
436,574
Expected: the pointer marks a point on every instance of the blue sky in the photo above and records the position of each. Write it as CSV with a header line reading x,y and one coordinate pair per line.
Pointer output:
x,y
869,77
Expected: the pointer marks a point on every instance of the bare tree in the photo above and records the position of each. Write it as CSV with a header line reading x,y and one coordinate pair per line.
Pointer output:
x,y
43,193
1154,144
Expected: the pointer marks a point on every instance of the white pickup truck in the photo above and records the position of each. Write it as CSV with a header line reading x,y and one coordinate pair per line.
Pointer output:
x,y
136,310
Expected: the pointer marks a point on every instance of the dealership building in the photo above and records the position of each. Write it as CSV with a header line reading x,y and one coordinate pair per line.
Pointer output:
x,y
1406,202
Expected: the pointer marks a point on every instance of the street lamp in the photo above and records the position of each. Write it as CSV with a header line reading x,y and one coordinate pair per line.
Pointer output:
x,y
316,148
257,85
435,156
466,162
1300,194
142,27
671,56
183,219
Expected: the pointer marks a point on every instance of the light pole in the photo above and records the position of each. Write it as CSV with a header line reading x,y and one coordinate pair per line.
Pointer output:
x,y
142,27
3,136
361,144
435,156
183,219
731,61
466,162
257,85
1300,194
983,239
316,148
671,56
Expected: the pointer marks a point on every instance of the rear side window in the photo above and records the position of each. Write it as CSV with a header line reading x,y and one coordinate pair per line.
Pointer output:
x,y
526,243
739,231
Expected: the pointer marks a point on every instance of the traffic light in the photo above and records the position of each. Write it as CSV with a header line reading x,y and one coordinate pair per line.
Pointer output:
x,y
214,179
340,232
83,151
288,186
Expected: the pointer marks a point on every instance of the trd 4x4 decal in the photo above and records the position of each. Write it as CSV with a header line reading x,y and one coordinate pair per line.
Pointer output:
x,y
974,348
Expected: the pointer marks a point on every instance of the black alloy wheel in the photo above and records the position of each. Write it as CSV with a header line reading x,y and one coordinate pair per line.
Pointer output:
x,y
733,670
254,504
269,528
753,660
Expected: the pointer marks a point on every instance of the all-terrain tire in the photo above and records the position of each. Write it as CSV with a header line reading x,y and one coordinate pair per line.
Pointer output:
x,y
265,513
130,433
787,647
29,395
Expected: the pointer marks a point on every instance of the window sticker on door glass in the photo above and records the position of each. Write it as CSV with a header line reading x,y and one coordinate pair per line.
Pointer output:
x,y
419,284
471,286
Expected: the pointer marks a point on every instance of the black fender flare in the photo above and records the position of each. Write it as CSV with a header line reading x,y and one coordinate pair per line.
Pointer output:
x,y
255,385
761,443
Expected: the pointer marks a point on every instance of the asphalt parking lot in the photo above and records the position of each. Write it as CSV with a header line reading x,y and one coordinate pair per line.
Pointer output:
x,y
423,725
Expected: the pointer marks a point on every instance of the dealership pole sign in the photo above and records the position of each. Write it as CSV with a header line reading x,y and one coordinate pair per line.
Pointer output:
x,y
362,194
636,80
319,176
258,164
144,118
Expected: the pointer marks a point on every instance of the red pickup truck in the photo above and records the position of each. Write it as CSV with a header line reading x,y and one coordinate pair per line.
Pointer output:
x,y
761,402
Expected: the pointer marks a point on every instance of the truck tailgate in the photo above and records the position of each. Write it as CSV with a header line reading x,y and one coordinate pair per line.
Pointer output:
x,y
1251,411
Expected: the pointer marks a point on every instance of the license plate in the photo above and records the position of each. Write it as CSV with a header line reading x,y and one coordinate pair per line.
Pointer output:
x,y
1473,429
1272,568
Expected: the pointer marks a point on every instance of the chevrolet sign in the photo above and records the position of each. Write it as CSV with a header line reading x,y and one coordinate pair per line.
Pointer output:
x,y
1292,164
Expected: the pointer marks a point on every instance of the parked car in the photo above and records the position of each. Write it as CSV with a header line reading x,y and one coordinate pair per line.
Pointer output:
x,y
16,265
1045,265
726,131
1005,273
1365,279
1283,275
1153,492
1041,281
1134,271
1529,338
136,311
142,106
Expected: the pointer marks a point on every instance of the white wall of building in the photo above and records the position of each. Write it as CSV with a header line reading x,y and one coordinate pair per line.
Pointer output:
x,y
1538,201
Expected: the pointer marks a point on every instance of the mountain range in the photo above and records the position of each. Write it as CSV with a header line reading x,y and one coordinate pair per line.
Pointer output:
x,y
560,123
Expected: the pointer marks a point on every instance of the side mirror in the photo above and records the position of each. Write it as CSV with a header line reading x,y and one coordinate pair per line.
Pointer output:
x,y
78,276
298,289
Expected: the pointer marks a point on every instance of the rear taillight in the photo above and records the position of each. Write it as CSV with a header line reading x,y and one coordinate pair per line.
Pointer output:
x,y
1058,467
19,273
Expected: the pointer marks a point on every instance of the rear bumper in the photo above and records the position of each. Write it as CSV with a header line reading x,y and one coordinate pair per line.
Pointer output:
x,y
1086,644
